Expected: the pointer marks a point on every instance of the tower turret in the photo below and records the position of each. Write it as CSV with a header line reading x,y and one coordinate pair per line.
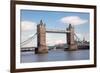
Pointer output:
x,y
41,38
72,45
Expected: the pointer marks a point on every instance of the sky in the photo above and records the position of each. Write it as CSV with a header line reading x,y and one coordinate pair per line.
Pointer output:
x,y
53,20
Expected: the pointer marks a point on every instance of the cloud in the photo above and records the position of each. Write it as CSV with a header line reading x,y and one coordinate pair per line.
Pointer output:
x,y
28,29
28,25
74,20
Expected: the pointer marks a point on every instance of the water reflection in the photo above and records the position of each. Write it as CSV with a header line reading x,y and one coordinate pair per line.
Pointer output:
x,y
55,55
41,57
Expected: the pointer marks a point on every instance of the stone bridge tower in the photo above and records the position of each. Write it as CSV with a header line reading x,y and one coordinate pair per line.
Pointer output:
x,y
72,45
41,38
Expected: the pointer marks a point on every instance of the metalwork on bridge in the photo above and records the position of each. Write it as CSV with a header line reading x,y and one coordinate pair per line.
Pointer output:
x,y
56,31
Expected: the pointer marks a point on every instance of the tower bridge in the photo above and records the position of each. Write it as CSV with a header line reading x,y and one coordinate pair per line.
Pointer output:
x,y
41,38
41,30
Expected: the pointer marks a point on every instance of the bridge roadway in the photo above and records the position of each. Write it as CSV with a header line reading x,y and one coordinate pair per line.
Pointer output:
x,y
80,46
28,49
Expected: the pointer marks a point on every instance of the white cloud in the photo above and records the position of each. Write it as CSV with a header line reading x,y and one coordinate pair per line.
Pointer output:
x,y
74,20
28,25
28,29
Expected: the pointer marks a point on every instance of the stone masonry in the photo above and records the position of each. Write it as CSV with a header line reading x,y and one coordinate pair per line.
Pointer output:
x,y
72,45
41,38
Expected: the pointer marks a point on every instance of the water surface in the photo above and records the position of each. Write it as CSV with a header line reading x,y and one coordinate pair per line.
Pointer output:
x,y
54,55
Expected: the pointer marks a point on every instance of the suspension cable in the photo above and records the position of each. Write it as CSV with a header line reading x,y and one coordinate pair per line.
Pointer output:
x,y
77,38
28,40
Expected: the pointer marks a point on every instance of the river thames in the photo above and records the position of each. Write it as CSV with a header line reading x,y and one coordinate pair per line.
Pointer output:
x,y
55,55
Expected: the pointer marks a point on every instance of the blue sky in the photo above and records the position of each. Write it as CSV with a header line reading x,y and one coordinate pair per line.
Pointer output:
x,y
56,20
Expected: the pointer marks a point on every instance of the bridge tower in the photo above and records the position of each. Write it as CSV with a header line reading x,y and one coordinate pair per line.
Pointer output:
x,y
72,45
41,39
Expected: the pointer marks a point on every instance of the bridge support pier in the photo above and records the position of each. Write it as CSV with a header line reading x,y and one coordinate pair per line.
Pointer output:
x,y
72,45
41,39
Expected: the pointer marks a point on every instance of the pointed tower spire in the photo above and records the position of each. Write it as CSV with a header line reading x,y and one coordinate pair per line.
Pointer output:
x,y
41,22
70,26
83,39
